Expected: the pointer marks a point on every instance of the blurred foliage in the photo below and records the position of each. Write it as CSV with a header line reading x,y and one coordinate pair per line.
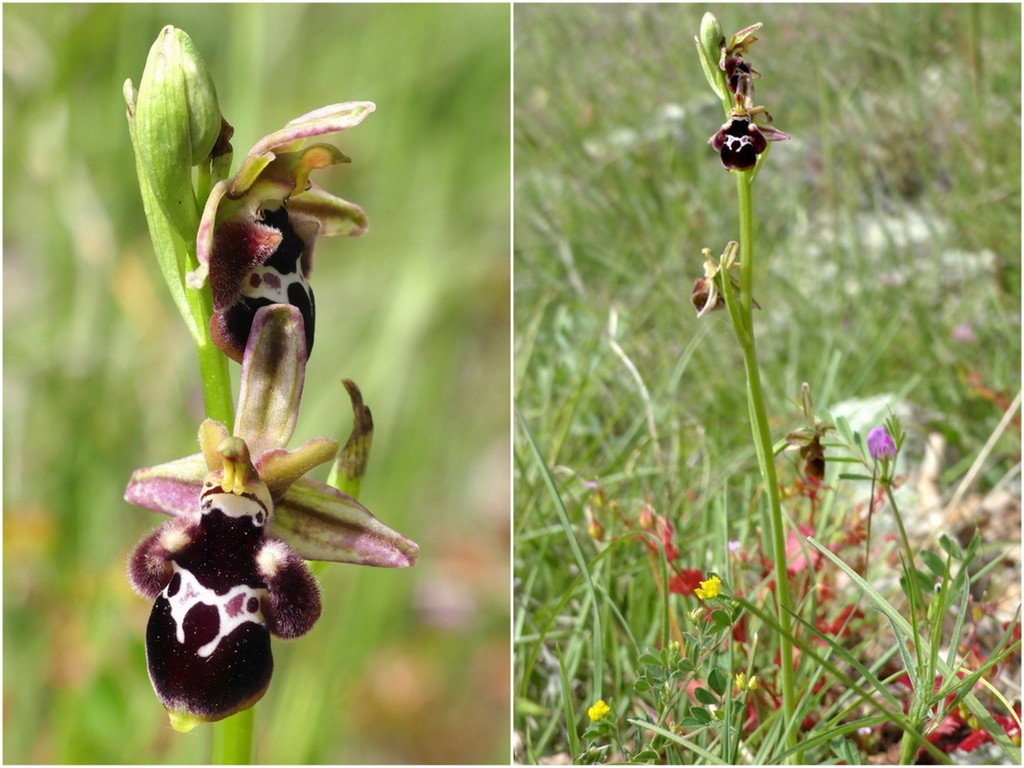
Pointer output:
x,y
100,376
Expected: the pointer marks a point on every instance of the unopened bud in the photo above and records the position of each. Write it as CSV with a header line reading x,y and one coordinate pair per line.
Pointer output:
x,y
177,122
712,38
710,43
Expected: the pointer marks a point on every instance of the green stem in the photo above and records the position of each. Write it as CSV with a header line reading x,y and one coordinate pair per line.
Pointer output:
x,y
743,322
746,205
232,739
213,364
925,676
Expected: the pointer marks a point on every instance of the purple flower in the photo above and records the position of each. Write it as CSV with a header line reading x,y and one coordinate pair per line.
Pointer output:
x,y
964,333
880,444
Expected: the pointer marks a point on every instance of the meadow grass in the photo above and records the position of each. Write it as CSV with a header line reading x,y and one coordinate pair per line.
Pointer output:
x,y
100,377
886,228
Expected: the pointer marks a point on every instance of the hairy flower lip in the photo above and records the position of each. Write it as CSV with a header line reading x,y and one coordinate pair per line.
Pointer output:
x,y
317,520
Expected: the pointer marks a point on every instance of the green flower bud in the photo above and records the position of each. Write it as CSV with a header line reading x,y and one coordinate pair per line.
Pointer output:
x,y
204,118
177,122
709,48
712,38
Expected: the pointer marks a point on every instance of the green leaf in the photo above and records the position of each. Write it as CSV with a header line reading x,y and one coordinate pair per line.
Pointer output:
x,y
567,705
648,756
701,715
648,658
721,619
933,562
704,696
718,681
714,75
951,547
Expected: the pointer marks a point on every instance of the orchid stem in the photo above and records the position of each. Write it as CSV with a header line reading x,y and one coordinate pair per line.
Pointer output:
x,y
232,739
741,314
919,697
213,364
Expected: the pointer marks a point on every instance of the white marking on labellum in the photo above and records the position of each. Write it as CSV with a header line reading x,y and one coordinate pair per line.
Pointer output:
x,y
740,141
233,505
241,604
269,283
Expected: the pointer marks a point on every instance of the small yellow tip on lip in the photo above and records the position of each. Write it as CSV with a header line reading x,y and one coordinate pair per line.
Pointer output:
x,y
183,722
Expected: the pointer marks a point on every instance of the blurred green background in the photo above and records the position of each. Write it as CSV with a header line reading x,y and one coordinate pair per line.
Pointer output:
x,y
100,377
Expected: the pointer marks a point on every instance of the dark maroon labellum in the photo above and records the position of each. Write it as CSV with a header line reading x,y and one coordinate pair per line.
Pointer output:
x,y
207,643
740,142
244,278
221,589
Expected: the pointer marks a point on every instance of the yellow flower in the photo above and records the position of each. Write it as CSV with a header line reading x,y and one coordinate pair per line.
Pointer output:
x,y
599,710
743,684
710,588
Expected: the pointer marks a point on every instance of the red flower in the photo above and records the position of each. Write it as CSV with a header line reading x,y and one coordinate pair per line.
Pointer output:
x,y
685,581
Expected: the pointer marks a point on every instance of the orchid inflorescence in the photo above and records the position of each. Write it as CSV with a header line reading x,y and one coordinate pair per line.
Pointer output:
x,y
740,142
749,128
228,569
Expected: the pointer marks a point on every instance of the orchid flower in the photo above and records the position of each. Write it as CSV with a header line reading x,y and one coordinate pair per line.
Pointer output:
x,y
258,229
226,571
